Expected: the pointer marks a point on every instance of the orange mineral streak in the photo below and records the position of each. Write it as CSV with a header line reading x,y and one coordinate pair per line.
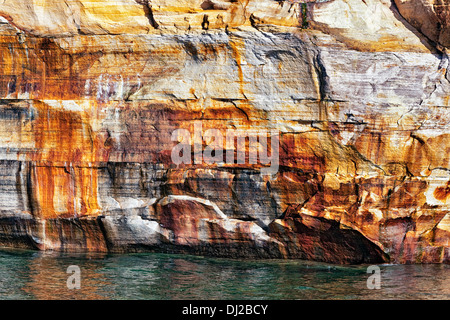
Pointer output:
x,y
237,45
66,157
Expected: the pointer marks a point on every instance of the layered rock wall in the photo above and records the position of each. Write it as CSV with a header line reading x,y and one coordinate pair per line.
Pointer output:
x,y
91,92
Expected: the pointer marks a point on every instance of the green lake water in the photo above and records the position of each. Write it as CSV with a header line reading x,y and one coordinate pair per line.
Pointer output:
x,y
152,276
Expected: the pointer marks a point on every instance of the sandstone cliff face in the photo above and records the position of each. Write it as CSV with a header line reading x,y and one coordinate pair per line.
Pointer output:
x,y
91,92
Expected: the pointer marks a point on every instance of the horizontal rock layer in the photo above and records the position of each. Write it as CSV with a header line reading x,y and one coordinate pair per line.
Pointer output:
x,y
91,92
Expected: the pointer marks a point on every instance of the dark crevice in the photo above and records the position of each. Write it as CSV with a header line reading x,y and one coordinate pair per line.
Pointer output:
x,y
29,189
205,23
240,109
324,82
419,139
108,243
148,13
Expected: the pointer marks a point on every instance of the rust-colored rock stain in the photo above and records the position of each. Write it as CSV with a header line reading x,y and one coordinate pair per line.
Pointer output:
x,y
237,45
442,193
66,163
88,105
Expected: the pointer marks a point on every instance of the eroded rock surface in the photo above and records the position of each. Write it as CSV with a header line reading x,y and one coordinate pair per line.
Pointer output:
x,y
91,92
431,17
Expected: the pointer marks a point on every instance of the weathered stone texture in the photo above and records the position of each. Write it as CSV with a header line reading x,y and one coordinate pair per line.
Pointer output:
x,y
91,92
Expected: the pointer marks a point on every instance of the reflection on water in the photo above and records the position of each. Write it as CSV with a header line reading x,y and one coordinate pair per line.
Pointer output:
x,y
37,275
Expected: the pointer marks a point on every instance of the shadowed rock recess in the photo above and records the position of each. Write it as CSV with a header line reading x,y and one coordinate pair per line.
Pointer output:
x,y
91,91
